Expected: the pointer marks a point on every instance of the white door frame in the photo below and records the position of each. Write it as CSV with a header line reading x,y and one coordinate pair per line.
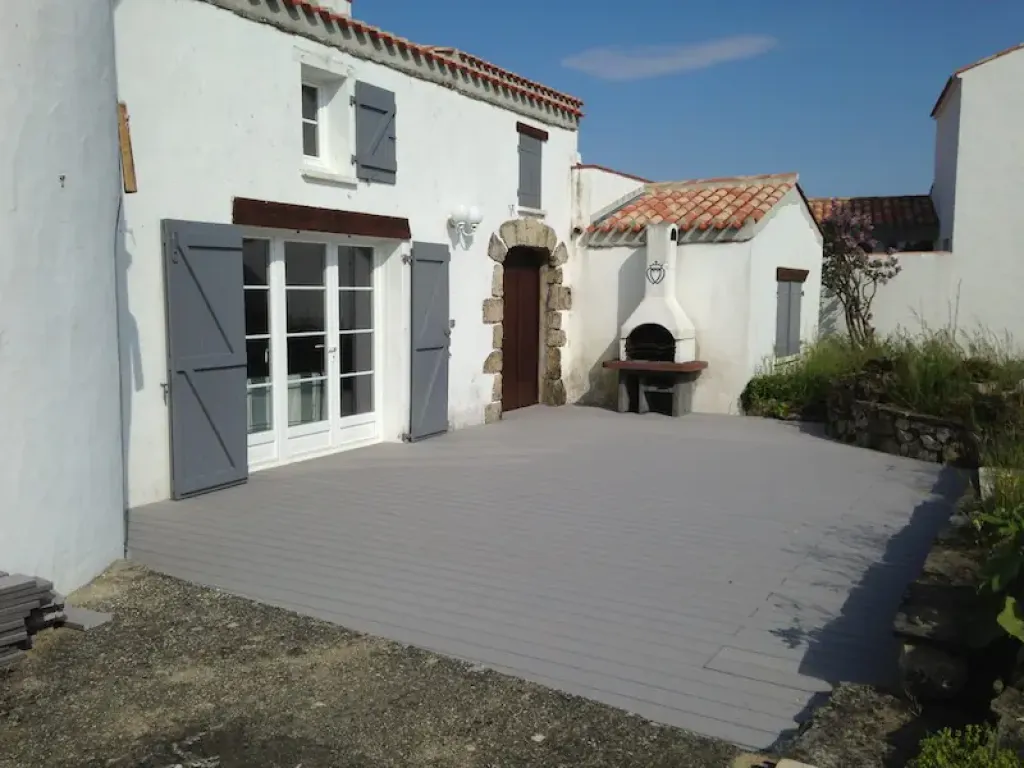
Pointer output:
x,y
284,444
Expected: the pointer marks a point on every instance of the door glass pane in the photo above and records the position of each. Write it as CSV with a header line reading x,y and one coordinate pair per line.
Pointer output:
x,y
306,356
255,257
257,311
307,402
304,263
357,394
355,267
355,310
260,411
305,311
257,358
356,352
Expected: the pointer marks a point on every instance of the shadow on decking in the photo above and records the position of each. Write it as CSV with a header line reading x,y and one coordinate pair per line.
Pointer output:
x,y
857,645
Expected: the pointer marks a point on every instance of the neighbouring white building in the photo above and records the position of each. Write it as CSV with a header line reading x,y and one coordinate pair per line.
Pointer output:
x,y
735,277
968,270
241,233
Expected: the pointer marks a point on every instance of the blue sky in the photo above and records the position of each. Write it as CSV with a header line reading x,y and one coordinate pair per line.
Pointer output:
x,y
675,89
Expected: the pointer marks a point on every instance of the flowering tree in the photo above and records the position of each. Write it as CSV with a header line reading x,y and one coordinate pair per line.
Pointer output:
x,y
851,270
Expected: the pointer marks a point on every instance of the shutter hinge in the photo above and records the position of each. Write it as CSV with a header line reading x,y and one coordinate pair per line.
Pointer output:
x,y
406,437
352,100
407,258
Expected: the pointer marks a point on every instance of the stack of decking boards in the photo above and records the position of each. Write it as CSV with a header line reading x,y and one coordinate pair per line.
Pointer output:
x,y
27,605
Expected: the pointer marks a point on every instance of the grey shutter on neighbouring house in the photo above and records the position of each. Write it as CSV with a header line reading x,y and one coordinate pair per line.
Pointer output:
x,y
530,149
375,156
787,318
206,358
431,333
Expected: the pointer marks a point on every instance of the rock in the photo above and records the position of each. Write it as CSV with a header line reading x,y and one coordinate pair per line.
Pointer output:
x,y
553,363
498,336
493,363
559,255
496,249
494,310
496,388
930,443
554,392
555,338
902,424
492,413
560,297
498,281
929,674
553,320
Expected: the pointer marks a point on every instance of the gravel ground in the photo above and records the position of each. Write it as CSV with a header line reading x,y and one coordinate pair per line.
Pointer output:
x,y
188,677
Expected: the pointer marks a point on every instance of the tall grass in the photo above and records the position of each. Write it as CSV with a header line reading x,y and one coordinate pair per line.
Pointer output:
x,y
936,372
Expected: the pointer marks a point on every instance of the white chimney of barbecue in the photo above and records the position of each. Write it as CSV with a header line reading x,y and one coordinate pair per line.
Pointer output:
x,y
660,305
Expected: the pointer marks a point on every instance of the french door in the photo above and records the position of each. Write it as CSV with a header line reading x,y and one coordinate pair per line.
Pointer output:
x,y
311,346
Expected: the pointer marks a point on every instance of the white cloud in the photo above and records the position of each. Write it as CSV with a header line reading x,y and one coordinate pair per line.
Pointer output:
x,y
640,62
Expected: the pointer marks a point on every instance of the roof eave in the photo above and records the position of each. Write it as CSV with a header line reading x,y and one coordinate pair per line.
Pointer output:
x,y
942,96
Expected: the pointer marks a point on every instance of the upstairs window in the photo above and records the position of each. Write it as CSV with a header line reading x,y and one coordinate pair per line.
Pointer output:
x,y
311,121
531,145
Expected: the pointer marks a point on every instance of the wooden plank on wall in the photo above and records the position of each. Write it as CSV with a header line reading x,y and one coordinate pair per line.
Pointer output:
x,y
127,157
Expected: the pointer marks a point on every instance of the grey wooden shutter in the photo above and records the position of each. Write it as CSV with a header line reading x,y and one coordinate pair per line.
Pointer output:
x,y
375,156
530,149
431,335
782,319
206,358
796,292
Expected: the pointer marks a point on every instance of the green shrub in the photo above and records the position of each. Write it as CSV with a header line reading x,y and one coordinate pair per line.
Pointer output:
x,y
974,747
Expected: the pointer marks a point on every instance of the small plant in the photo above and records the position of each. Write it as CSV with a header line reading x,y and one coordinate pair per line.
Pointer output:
x,y
973,747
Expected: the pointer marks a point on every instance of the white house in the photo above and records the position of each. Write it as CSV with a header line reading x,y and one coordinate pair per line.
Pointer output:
x,y
970,271
734,275
309,256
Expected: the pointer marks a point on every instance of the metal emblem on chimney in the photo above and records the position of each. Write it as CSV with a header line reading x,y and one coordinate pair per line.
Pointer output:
x,y
655,272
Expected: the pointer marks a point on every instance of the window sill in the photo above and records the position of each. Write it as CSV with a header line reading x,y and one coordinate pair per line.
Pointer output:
x,y
313,173
535,212
786,360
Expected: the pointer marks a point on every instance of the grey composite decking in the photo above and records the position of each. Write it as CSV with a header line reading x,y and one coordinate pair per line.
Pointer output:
x,y
713,573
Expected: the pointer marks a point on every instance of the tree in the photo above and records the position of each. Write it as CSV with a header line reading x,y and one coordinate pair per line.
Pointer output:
x,y
852,270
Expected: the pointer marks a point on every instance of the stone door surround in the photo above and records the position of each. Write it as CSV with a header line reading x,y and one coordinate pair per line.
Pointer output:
x,y
555,297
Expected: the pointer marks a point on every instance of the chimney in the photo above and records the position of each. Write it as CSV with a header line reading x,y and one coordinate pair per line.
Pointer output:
x,y
660,307
340,7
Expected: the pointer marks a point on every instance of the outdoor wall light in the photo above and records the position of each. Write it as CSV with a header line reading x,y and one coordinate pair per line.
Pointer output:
x,y
465,219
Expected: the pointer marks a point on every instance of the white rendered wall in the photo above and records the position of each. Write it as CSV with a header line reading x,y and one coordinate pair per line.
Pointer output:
x,y
61,503
214,102
790,238
947,142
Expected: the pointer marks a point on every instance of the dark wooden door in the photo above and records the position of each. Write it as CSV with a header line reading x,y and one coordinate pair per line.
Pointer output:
x,y
521,341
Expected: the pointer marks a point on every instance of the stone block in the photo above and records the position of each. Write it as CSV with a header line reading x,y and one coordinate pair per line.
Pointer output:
x,y
493,363
494,310
929,674
559,255
496,249
492,413
560,297
554,392
553,363
509,232
497,336
930,443
555,338
498,281
553,321
554,277
496,388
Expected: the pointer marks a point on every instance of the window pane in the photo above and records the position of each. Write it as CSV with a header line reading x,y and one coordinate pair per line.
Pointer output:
x,y
310,102
260,419
356,352
355,267
310,140
255,256
355,310
305,311
304,263
257,314
306,356
257,360
307,402
357,395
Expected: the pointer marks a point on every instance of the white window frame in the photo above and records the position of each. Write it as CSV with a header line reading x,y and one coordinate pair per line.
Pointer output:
x,y
336,129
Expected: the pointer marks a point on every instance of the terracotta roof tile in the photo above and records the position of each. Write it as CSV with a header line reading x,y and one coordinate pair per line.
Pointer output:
x,y
953,78
702,204
455,61
903,211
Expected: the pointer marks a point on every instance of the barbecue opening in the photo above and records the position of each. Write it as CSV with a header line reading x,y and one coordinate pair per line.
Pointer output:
x,y
652,343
